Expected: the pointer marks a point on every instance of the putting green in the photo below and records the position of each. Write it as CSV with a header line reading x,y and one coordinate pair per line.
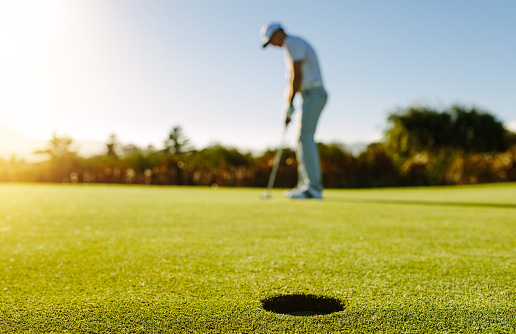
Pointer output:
x,y
97,258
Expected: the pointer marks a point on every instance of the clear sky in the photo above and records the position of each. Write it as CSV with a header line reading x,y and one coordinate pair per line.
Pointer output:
x,y
90,68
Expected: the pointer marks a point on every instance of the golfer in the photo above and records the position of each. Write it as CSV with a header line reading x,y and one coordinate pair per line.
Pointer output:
x,y
304,76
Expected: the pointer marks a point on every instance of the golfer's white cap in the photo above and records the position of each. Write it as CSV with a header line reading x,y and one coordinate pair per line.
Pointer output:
x,y
268,30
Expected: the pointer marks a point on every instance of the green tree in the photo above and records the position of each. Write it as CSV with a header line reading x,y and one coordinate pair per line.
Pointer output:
x,y
338,166
58,147
112,146
177,143
475,130
375,167
418,129
63,162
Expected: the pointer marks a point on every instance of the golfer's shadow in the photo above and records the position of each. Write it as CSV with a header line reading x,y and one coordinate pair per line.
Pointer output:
x,y
419,202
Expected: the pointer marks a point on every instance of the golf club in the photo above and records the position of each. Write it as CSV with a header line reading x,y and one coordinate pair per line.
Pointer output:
x,y
272,178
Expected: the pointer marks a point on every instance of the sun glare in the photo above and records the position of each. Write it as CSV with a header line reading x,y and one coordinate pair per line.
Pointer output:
x,y
27,35
53,56
512,126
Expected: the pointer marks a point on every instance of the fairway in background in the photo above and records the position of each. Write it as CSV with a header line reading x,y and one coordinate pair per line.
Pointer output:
x,y
98,258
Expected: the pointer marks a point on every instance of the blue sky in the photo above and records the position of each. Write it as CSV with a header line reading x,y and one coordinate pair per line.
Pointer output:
x,y
91,68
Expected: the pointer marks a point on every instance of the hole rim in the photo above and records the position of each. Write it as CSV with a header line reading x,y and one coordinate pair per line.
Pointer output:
x,y
301,304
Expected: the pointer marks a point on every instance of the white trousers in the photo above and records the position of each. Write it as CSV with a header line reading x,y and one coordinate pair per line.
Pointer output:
x,y
307,154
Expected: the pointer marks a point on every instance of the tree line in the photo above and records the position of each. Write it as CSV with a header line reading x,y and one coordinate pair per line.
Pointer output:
x,y
421,146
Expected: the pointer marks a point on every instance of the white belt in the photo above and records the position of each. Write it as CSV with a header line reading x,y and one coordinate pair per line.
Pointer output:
x,y
312,84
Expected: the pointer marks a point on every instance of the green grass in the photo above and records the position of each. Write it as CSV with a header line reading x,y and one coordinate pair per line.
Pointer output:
x,y
138,259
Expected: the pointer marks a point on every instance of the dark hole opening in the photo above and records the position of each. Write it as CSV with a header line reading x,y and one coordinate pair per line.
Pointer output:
x,y
302,305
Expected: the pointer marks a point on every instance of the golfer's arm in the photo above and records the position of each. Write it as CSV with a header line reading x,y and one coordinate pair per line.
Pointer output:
x,y
295,80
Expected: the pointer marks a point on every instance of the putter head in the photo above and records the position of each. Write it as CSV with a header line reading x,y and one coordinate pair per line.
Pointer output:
x,y
266,196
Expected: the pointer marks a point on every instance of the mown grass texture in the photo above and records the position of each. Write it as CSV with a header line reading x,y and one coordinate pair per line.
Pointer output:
x,y
98,258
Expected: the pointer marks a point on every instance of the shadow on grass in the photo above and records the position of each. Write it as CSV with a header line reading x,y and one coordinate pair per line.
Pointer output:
x,y
426,203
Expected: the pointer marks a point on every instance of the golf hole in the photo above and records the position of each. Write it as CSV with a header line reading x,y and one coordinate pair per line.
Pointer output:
x,y
302,305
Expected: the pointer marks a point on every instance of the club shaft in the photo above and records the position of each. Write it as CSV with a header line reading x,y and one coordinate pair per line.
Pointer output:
x,y
272,178
277,159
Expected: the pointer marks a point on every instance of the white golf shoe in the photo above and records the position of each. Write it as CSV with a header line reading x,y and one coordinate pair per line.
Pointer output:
x,y
302,194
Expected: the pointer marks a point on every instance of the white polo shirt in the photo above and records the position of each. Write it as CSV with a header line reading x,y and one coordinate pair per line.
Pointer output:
x,y
297,49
